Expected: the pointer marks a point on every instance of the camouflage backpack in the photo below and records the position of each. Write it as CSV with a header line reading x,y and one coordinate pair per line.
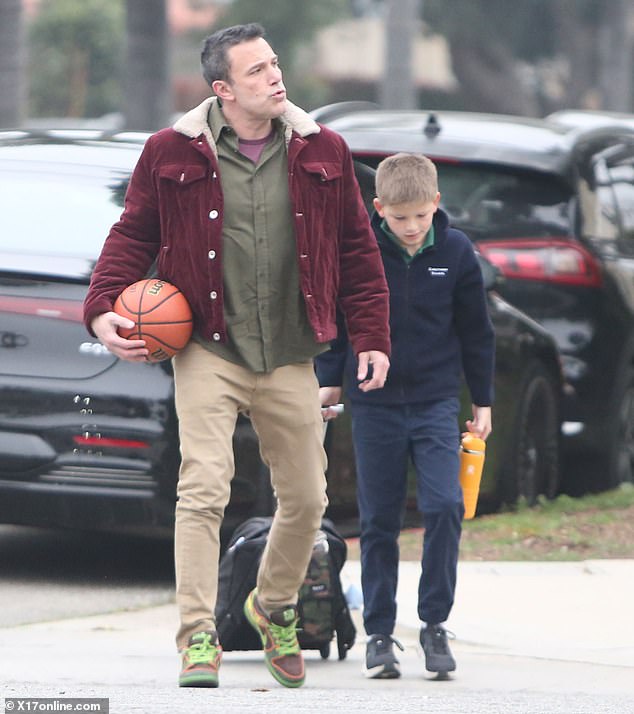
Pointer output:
x,y
323,610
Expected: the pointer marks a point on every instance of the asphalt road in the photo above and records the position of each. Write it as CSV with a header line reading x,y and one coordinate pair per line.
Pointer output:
x,y
90,616
50,575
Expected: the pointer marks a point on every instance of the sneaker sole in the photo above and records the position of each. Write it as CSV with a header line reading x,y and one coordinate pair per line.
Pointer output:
x,y
382,672
198,680
291,683
441,670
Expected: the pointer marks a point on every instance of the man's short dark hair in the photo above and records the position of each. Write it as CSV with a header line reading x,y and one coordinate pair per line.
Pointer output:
x,y
214,53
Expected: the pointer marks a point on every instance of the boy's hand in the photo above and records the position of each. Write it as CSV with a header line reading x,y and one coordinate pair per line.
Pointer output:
x,y
327,397
379,362
481,424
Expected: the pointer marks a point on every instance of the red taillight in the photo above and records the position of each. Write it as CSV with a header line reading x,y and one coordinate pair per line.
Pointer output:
x,y
105,442
545,260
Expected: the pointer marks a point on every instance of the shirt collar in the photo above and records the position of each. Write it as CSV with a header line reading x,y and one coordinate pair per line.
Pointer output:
x,y
218,123
427,243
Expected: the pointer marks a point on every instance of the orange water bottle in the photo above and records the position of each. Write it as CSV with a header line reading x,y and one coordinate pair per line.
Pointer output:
x,y
471,462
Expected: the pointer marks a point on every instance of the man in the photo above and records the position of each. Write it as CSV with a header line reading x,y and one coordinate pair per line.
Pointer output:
x,y
253,211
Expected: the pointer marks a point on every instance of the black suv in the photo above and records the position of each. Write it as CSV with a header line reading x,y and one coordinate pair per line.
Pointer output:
x,y
551,204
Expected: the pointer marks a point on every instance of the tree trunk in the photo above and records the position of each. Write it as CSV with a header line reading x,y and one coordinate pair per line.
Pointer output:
x,y
11,63
488,78
397,87
616,54
577,43
147,96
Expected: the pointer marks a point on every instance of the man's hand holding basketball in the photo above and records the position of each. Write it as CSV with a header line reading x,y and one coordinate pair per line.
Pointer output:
x,y
105,327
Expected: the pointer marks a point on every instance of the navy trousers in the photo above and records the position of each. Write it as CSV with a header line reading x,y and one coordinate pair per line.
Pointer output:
x,y
387,439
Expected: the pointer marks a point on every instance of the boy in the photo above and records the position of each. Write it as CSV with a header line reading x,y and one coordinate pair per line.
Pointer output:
x,y
440,328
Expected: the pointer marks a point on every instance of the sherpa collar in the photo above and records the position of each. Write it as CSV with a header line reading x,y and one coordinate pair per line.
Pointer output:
x,y
194,122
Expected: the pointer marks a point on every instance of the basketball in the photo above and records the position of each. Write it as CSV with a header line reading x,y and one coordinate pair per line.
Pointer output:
x,y
161,314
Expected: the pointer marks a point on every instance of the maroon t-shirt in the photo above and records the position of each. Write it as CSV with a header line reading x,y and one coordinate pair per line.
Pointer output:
x,y
253,148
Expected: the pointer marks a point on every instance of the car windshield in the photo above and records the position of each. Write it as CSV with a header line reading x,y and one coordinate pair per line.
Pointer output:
x,y
57,214
504,203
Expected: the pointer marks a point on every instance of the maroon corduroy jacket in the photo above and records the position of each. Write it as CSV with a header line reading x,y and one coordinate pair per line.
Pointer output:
x,y
173,214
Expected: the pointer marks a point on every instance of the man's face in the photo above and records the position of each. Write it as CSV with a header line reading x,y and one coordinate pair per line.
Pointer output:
x,y
255,88
410,222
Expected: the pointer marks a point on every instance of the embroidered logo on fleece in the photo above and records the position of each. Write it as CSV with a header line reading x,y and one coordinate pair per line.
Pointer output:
x,y
438,272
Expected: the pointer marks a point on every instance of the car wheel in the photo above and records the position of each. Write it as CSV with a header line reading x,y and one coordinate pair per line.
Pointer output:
x,y
532,463
620,455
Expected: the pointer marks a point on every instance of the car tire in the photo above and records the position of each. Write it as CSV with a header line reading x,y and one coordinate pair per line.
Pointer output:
x,y
607,467
532,464
620,452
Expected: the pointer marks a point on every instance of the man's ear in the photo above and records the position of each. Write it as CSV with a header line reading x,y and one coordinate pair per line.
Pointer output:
x,y
378,207
222,89
437,200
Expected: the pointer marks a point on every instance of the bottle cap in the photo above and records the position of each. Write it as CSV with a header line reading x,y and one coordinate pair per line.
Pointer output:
x,y
473,443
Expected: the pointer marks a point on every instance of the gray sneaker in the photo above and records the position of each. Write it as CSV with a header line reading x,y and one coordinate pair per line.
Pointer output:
x,y
380,662
438,657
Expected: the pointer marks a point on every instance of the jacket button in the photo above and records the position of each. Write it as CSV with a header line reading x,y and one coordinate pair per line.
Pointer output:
x,y
213,214
215,336
213,294
211,254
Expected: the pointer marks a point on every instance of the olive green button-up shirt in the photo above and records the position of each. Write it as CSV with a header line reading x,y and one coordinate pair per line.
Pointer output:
x,y
265,313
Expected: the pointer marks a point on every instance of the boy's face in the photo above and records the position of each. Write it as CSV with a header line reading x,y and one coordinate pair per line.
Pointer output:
x,y
410,222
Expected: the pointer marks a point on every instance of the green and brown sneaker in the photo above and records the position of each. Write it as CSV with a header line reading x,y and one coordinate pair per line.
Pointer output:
x,y
278,633
201,661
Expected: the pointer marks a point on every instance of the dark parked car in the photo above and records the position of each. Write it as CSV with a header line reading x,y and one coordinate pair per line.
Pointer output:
x,y
89,441
551,204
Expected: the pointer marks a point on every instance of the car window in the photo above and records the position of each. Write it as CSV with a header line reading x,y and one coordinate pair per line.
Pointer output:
x,y
490,201
67,214
504,203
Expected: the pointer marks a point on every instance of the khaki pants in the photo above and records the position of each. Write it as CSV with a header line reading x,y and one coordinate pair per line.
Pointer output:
x,y
284,409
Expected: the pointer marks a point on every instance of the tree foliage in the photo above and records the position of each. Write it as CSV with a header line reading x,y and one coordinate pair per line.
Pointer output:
x,y
533,56
75,63
524,26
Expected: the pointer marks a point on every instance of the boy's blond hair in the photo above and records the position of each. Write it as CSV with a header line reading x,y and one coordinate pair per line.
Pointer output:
x,y
403,178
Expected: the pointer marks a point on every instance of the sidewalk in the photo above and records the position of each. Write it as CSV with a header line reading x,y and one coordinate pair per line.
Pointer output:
x,y
577,611
530,638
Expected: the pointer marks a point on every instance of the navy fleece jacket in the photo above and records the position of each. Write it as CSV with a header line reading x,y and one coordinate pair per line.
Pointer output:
x,y
439,321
